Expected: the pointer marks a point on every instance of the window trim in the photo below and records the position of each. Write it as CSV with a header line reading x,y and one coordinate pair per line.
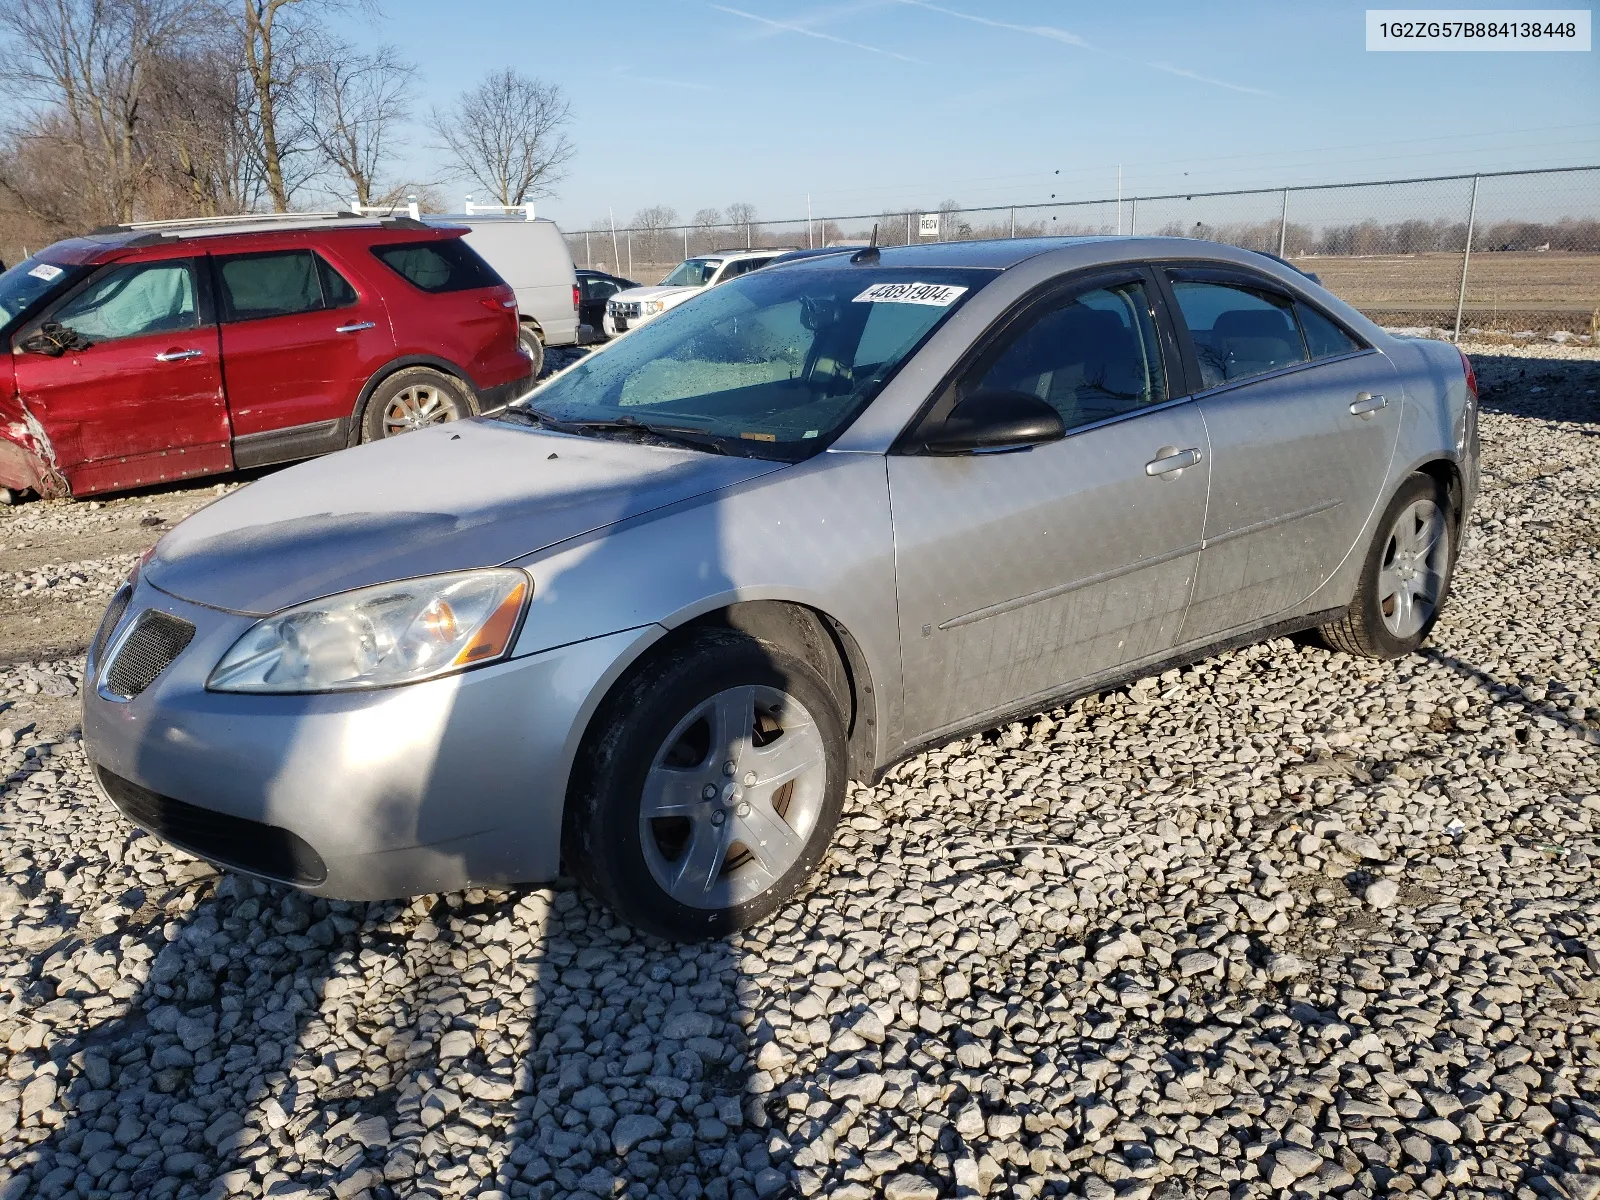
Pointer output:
x,y
942,398
225,311
204,307
1237,276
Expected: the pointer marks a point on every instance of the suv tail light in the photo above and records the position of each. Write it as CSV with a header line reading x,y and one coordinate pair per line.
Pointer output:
x,y
574,297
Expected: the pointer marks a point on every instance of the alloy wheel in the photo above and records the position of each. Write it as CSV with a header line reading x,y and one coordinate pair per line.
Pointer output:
x,y
416,407
1416,559
732,797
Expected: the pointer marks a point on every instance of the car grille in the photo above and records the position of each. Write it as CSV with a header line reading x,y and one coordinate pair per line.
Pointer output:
x,y
154,641
625,308
109,622
236,842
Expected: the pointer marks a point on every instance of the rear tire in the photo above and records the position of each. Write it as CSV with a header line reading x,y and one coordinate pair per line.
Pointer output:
x,y
413,398
661,830
1406,579
534,345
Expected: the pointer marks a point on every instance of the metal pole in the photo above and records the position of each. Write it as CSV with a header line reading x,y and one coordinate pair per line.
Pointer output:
x,y
1466,256
1283,223
588,255
810,242
686,242
616,255
747,235
1119,198
1133,217
908,229
1013,220
630,254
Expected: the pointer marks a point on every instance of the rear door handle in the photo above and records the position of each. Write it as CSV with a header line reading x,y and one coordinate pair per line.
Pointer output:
x,y
1171,460
356,328
178,355
1366,404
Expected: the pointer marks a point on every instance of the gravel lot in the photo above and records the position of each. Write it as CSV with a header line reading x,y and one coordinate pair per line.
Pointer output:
x,y
1282,923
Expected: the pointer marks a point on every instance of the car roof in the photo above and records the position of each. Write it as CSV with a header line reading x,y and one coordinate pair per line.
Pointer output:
x,y
109,241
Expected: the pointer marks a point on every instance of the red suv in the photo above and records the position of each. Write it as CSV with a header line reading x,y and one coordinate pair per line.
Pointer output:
x,y
145,353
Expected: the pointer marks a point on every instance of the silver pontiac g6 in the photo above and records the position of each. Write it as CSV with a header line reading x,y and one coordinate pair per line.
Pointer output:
x,y
646,622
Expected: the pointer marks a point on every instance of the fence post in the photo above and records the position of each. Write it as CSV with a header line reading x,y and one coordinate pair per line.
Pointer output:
x,y
908,229
1466,256
630,254
747,235
588,255
1133,217
1283,223
1013,220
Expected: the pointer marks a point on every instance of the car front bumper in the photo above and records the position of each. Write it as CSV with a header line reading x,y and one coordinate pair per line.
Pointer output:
x,y
357,795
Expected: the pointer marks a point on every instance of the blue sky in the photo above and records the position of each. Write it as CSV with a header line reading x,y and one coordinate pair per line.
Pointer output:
x,y
883,104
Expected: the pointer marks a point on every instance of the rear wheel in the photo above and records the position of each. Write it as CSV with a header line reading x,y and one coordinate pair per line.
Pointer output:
x,y
414,398
533,345
1406,579
709,787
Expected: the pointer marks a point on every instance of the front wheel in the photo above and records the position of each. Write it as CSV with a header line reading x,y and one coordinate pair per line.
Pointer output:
x,y
1406,579
709,788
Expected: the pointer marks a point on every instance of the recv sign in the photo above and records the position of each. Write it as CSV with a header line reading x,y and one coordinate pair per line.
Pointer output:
x,y
928,225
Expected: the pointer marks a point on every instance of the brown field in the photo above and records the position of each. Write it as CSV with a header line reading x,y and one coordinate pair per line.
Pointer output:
x,y
1522,290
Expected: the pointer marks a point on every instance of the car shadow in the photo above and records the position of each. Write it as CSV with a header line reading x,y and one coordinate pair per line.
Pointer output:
x,y
494,1042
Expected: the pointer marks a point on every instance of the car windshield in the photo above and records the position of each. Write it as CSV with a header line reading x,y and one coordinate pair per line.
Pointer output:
x,y
774,364
26,282
692,272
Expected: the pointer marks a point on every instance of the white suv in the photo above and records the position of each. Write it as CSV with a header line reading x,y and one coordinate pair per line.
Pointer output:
x,y
630,309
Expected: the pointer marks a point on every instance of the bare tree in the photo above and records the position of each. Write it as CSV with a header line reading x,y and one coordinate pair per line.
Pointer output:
x,y
705,222
508,135
353,105
652,224
86,65
274,38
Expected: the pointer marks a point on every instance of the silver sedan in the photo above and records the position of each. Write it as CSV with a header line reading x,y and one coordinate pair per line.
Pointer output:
x,y
647,621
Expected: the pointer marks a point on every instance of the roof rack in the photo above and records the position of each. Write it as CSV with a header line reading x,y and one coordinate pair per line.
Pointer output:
x,y
246,223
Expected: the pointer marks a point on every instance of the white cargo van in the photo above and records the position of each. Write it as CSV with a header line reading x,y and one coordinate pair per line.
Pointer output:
x,y
530,254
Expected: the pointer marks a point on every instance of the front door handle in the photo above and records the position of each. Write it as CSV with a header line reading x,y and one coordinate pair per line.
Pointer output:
x,y
1169,460
356,328
178,355
1366,404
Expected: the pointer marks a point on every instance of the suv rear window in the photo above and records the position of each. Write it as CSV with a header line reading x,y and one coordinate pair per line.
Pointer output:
x,y
448,265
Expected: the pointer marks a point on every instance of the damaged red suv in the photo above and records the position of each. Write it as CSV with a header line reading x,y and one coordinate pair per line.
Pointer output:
x,y
145,353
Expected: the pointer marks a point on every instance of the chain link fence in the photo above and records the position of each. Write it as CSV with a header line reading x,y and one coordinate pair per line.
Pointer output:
x,y
1507,252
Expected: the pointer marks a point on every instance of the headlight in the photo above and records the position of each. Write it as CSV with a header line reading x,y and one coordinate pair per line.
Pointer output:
x,y
373,637
652,307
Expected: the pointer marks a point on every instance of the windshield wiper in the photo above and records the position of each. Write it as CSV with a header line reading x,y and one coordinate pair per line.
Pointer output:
x,y
697,439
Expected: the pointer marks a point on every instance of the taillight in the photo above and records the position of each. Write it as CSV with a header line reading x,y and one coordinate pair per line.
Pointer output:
x,y
1472,376
574,297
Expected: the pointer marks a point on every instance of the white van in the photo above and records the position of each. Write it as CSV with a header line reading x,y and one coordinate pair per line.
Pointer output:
x,y
530,254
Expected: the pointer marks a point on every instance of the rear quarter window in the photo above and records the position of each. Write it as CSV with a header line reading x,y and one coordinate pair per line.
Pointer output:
x,y
448,265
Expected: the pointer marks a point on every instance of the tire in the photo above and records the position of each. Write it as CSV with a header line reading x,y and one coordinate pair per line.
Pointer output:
x,y
1405,581
664,736
413,398
534,345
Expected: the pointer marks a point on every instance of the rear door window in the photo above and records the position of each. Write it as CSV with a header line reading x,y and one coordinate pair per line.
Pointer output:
x,y
447,265
274,284
134,299
1238,331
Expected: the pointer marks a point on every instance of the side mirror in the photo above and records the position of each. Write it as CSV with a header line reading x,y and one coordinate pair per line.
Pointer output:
x,y
994,421
54,340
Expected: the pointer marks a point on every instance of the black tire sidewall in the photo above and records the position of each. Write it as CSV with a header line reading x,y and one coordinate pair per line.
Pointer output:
x,y
1417,487
372,415
603,838
534,345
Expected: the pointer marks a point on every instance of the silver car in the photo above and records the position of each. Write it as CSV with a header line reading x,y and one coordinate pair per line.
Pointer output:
x,y
647,621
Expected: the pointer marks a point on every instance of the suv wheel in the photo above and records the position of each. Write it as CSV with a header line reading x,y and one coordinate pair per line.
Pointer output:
x,y
1406,579
533,344
413,399
709,788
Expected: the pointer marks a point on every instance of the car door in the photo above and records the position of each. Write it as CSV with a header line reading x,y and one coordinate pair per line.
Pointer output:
x,y
1300,444
1019,573
140,399
299,341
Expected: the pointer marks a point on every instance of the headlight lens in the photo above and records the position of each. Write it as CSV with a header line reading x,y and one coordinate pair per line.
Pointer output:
x,y
374,637
652,307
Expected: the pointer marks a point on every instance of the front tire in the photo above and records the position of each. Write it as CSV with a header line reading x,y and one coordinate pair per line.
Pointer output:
x,y
709,787
1406,579
410,399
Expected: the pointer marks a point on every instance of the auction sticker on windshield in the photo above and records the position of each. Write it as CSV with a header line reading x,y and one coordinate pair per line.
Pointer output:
x,y
45,271
940,295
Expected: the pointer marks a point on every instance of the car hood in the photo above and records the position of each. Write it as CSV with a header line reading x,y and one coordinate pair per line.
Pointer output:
x,y
471,494
658,293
